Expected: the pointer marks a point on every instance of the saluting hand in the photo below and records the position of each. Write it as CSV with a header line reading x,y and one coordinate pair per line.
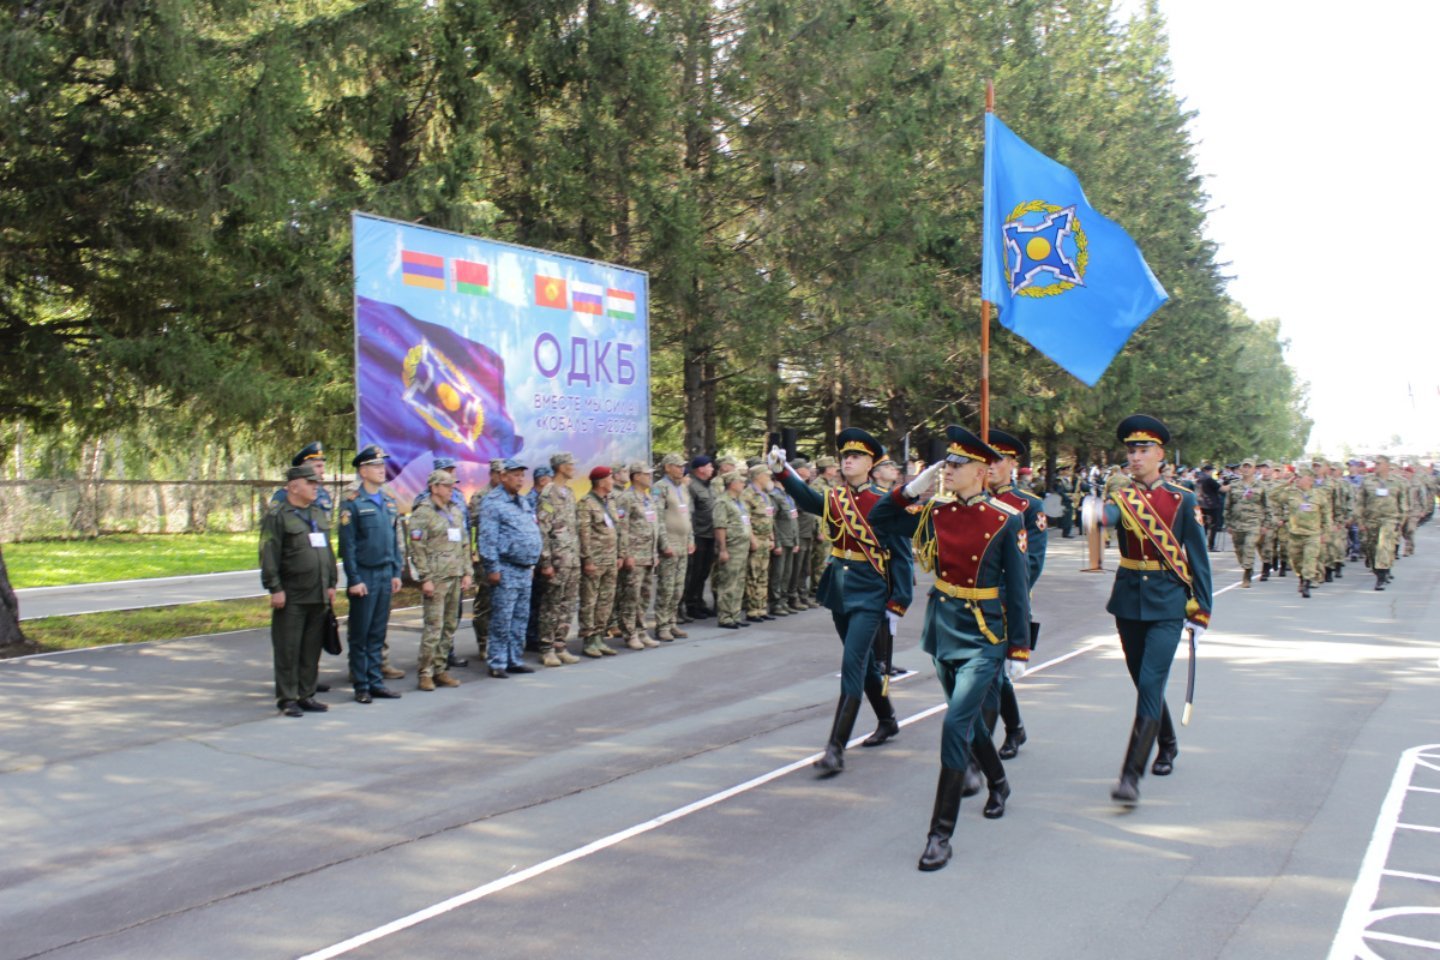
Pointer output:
x,y
776,459
923,481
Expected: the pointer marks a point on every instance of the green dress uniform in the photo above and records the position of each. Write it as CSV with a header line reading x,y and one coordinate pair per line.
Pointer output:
x,y
977,614
296,559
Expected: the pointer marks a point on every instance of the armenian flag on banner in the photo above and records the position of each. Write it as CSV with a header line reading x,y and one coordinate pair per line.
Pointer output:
x,y
425,388
1065,278
422,269
587,298
550,292
472,278
619,304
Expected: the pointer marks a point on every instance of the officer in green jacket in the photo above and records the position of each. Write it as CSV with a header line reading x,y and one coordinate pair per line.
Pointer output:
x,y
297,568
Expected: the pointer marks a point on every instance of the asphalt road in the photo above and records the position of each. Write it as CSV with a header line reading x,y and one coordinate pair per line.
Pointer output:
x,y
36,602
658,804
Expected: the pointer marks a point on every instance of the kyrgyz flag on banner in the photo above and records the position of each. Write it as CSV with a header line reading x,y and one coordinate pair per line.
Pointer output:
x,y
426,389
1066,279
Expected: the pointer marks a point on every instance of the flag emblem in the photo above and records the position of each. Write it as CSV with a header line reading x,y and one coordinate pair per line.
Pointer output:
x,y
422,270
550,292
620,304
587,298
1046,250
472,278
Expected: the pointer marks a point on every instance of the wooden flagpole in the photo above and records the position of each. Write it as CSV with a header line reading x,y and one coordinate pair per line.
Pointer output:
x,y
985,311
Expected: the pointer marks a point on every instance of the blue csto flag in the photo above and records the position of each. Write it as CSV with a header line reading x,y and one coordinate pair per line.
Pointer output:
x,y
1066,279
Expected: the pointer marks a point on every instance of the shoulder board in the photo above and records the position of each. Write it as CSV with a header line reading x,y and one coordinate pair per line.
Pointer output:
x,y
1174,487
1002,505
1028,495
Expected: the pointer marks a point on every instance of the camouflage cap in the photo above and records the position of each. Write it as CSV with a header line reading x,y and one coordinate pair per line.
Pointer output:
x,y
725,464
799,463
824,462
730,476
557,460
639,467
1248,462
757,470
672,460
1265,463
440,476
618,469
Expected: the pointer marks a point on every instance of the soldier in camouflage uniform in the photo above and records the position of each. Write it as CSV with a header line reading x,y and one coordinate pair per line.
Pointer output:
x,y
645,539
672,495
1381,512
1328,482
826,476
1308,511
787,537
1245,518
762,525
1265,480
734,542
602,549
1415,494
559,562
797,592
620,474
440,555
1278,520
480,609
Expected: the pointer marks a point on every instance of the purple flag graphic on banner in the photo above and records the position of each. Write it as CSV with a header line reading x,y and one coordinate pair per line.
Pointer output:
x,y
426,389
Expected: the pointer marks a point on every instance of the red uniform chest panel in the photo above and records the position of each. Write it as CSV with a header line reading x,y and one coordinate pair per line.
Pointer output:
x,y
863,501
1015,500
1165,503
962,535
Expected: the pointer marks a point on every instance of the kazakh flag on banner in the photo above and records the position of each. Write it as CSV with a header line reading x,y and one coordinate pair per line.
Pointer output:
x,y
1063,277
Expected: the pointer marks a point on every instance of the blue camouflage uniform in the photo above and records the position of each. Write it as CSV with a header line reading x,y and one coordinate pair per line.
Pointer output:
x,y
510,544
371,554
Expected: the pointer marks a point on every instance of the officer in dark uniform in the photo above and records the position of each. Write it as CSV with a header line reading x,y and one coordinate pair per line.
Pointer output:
x,y
373,562
312,454
297,569
1161,588
867,583
978,613
1031,508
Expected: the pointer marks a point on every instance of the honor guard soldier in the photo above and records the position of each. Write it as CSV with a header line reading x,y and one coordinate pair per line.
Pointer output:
x,y
1381,512
1245,518
440,555
867,582
672,494
448,465
509,550
1161,589
1031,509
312,455
297,569
369,520
559,562
978,613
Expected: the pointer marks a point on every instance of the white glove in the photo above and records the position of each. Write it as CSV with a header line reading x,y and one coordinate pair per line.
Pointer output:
x,y
923,480
1199,630
1015,669
893,619
776,459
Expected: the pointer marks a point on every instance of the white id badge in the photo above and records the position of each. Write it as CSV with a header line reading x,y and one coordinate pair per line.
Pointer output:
x,y
794,514
650,516
1306,507
684,508
608,521
745,520
453,534
1382,491
317,540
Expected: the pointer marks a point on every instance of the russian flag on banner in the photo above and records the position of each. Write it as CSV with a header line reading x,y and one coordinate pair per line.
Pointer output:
x,y
620,304
472,278
422,270
587,298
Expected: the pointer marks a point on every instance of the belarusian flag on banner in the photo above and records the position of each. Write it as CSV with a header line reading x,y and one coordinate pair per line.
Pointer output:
x,y
620,304
472,278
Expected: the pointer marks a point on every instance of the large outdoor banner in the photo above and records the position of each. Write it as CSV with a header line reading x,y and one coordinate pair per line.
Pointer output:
x,y
475,350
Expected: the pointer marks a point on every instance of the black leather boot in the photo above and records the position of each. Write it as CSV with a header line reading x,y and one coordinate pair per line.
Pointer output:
x,y
834,760
1329,574
1167,746
994,770
886,726
942,820
1284,567
1014,740
1142,738
1339,571
1014,727
1264,573
1380,579
1305,588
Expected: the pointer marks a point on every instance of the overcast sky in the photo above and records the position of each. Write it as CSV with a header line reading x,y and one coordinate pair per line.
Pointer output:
x,y
1316,138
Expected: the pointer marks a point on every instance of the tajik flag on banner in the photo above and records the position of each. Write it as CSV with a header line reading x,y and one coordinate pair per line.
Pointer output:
x,y
620,304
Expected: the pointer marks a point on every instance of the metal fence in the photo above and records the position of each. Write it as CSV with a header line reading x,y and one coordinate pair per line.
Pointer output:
x,y
48,509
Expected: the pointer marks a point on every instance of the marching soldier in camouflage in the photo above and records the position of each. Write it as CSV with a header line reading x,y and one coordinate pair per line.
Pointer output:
x,y
734,542
787,538
440,554
762,524
1328,483
1245,518
1276,511
1308,513
672,495
807,524
1265,479
602,549
1415,497
1381,513
559,562
646,538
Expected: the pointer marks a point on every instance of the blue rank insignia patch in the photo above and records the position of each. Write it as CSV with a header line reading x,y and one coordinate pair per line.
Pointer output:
x,y
1046,251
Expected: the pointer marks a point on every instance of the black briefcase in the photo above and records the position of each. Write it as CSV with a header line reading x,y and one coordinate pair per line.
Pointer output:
x,y
330,635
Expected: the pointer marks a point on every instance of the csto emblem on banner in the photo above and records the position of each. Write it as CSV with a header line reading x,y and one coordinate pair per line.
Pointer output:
x,y
478,350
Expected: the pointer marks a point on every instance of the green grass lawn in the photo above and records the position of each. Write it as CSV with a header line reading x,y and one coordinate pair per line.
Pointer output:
x,y
129,556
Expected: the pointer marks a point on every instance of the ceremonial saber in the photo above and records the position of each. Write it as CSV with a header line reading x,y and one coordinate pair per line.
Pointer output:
x,y
1190,681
